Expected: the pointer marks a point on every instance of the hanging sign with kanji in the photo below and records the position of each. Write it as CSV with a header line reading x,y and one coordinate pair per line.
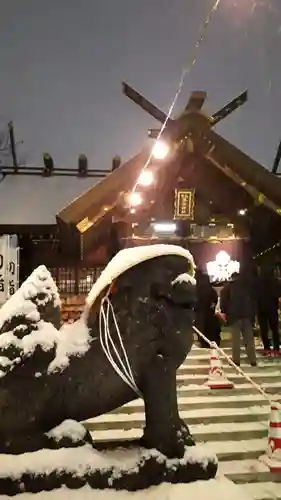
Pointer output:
x,y
184,204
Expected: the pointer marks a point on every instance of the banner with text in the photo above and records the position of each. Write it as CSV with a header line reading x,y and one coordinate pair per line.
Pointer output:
x,y
184,204
13,269
4,280
9,267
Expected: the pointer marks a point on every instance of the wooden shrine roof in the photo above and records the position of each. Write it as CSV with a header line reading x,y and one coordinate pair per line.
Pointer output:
x,y
222,172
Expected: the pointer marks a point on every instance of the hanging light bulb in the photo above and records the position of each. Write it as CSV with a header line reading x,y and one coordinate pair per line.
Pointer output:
x,y
146,178
160,150
135,199
242,211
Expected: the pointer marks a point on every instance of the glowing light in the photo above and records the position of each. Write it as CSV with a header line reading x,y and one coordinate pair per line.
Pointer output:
x,y
160,150
223,258
222,268
243,211
135,199
164,227
146,178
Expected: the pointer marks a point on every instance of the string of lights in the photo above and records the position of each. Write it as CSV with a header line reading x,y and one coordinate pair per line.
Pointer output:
x,y
276,245
135,197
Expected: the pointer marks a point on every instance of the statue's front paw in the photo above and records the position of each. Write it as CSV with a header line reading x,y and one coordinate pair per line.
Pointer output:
x,y
169,446
171,442
184,434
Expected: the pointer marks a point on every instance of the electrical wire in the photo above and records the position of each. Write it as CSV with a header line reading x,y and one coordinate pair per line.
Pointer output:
x,y
184,74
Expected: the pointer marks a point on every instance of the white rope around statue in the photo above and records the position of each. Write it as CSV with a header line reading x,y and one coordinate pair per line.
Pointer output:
x,y
122,369
237,368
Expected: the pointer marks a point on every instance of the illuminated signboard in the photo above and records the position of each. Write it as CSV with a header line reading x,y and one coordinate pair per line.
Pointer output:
x,y
184,204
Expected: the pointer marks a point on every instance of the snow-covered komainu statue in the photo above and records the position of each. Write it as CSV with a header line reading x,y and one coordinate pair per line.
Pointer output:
x,y
135,332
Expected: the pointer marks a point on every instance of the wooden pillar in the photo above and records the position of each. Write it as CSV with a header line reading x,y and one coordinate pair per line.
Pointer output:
x,y
26,257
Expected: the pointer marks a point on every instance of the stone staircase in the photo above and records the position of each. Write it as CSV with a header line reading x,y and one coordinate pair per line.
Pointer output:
x,y
233,423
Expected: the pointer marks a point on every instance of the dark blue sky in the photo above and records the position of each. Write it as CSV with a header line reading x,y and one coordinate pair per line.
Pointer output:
x,y
62,63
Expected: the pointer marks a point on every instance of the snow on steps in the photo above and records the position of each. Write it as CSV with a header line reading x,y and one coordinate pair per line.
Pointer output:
x,y
261,491
192,417
233,423
199,358
199,351
247,471
217,398
201,433
257,374
201,368
245,388
218,489
203,357
218,401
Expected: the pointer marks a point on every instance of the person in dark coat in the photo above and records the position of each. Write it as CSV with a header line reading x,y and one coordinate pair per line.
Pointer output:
x,y
268,293
237,303
206,320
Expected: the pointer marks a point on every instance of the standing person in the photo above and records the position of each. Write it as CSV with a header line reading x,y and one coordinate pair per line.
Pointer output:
x,y
206,319
268,293
238,305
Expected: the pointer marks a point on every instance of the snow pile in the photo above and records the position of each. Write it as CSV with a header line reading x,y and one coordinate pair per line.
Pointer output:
x,y
37,290
184,278
68,429
130,257
46,336
21,325
82,460
74,340
275,454
71,340
21,339
214,489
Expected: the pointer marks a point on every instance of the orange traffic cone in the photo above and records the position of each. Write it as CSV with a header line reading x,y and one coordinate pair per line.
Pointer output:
x,y
217,378
272,458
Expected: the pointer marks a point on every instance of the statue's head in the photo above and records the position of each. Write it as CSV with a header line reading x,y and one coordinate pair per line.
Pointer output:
x,y
154,292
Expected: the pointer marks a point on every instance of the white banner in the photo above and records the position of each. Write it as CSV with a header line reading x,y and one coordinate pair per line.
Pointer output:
x,y
9,267
4,264
13,266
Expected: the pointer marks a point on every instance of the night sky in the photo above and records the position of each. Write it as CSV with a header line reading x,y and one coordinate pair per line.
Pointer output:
x,y
62,63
